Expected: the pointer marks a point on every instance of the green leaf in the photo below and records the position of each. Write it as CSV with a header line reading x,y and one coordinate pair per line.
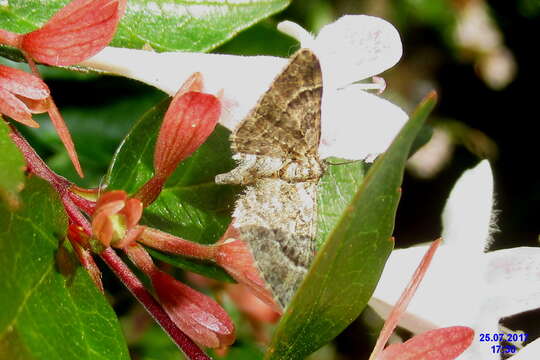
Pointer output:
x,y
165,25
191,205
335,191
12,167
349,264
51,309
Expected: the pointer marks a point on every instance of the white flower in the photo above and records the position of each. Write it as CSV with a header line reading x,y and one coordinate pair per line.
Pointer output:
x,y
355,123
464,285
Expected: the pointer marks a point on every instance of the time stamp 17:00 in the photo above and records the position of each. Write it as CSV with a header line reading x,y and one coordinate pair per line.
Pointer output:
x,y
503,349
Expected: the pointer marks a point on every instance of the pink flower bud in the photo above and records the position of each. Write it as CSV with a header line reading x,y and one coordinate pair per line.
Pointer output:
x,y
200,317
190,119
188,122
115,218
22,94
196,314
234,256
76,32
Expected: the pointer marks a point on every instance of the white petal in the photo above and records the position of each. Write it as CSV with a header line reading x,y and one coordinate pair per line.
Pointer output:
x,y
450,293
356,124
356,47
242,78
467,215
515,273
294,30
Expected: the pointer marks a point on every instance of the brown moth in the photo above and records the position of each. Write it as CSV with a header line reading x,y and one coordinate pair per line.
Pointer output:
x,y
276,147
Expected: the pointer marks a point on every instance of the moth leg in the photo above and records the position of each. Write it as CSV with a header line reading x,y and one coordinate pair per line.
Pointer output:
x,y
250,168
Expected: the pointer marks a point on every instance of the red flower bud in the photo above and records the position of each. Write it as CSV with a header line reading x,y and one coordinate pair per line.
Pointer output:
x,y
189,121
200,317
22,94
115,218
76,32
196,314
234,256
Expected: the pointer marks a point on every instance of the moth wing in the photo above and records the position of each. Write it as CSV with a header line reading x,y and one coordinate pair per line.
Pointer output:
x,y
277,220
286,122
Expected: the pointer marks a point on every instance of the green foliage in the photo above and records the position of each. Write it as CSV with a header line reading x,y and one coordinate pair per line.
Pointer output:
x,y
191,204
51,309
165,25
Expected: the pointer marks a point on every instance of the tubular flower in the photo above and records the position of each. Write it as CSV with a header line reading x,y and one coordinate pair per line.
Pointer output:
x,y
188,122
476,283
355,124
438,344
115,219
22,94
196,314
76,32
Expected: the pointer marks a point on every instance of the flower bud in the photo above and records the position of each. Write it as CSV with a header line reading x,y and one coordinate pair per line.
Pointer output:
x,y
115,218
200,317
196,314
189,121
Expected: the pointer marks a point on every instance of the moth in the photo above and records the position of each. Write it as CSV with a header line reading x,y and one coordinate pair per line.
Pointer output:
x,y
276,147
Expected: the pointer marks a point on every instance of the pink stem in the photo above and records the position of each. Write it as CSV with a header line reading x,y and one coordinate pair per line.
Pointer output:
x,y
88,206
38,167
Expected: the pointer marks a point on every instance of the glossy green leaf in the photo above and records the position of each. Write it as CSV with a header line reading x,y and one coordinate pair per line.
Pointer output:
x,y
51,309
349,264
12,167
191,205
335,191
165,25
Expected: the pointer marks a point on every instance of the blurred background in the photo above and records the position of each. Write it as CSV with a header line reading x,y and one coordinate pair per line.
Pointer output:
x,y
479,56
